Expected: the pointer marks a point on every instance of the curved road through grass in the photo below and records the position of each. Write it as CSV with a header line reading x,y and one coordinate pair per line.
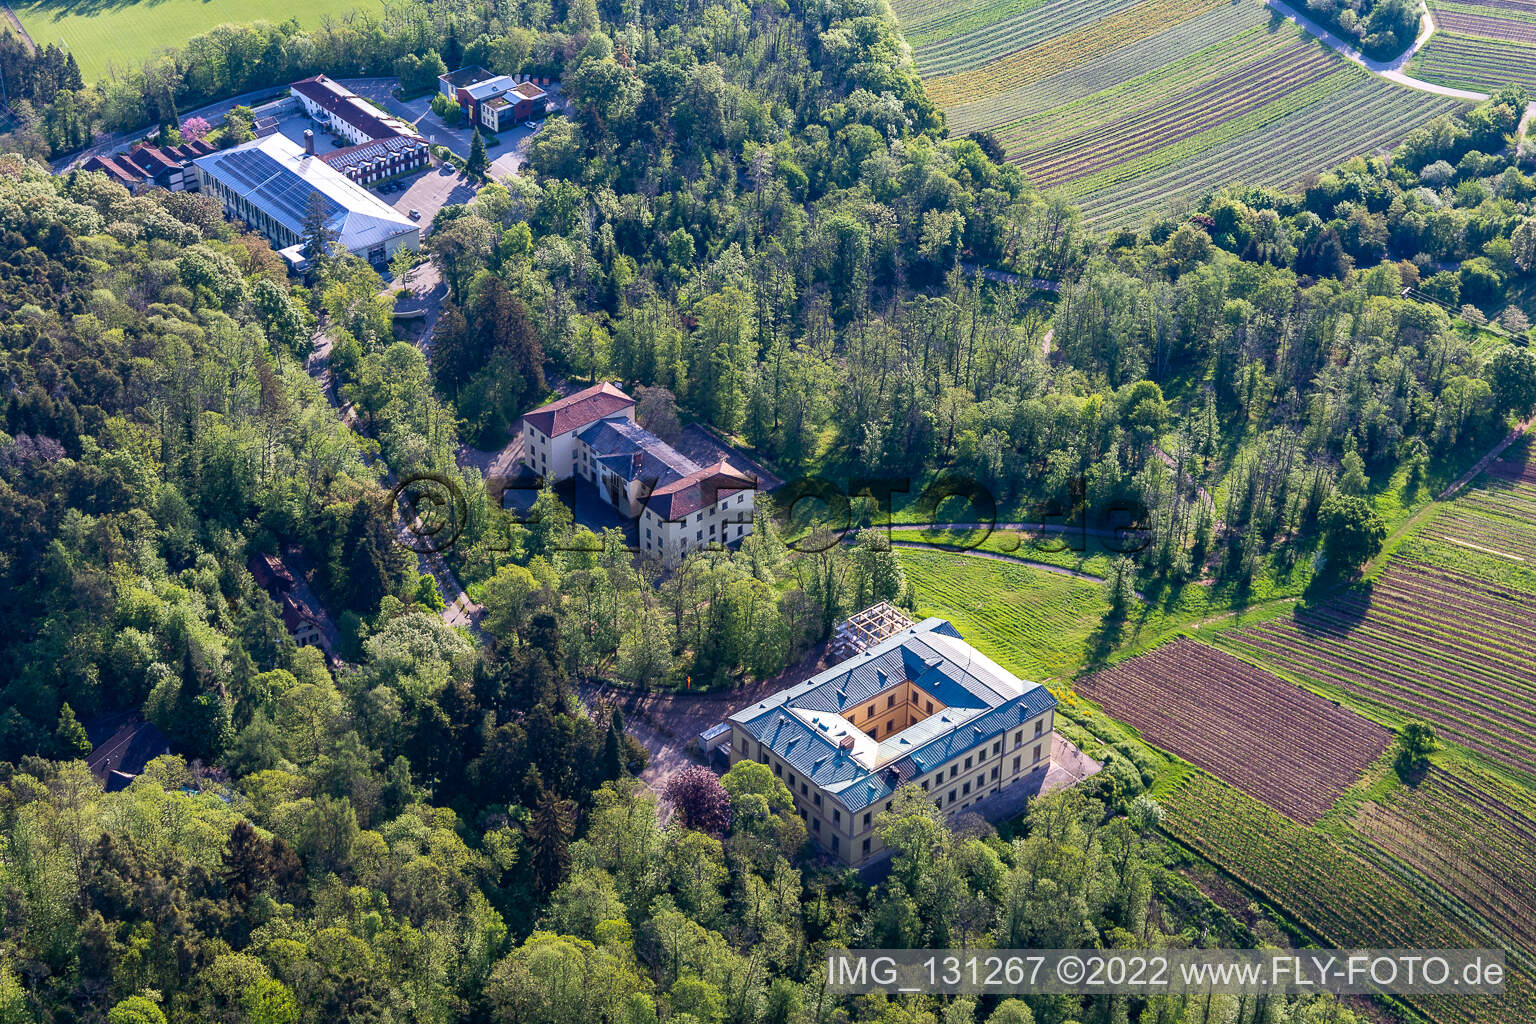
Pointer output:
x,y
1391,70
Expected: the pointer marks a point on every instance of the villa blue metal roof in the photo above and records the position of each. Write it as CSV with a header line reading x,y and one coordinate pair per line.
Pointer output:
x,y
980,701
631,451
977,731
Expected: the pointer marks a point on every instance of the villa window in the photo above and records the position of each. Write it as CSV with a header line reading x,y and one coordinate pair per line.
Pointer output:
x,y
1039,727
866,819
1037,751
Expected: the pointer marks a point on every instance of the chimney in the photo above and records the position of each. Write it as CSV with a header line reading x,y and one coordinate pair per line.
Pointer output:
x,y
309,142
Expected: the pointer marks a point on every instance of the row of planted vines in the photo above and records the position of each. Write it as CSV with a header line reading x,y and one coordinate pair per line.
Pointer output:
x,y
1343,898
1425,642
1286,746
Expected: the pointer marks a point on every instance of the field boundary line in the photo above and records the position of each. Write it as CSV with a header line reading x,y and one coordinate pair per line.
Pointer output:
x,y
1487,460
1391,70
21,30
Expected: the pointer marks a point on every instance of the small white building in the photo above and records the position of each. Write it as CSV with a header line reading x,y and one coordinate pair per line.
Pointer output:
x,y
680,506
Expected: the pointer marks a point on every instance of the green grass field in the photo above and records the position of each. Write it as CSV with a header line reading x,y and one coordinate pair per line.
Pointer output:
x,y
119,35
1033,622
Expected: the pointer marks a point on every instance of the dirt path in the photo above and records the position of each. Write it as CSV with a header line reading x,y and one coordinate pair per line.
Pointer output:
x,y
458,609
1185,478
1483,463
1391,70
1059,570
1432,508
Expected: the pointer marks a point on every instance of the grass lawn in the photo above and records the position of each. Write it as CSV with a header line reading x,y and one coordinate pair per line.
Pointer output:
x,y
1034,623
104,35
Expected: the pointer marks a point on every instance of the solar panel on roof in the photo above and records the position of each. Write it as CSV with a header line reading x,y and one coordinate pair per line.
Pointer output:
x,y
250,167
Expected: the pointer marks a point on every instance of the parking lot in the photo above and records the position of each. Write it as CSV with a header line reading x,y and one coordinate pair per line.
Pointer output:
x,y
430,191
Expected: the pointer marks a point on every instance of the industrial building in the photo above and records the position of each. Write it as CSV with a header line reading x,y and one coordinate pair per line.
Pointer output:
x,y
918,706
268,183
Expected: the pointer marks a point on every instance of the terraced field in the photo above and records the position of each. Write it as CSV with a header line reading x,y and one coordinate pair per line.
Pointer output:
x,y
1481,44
1284,745
1123,106
1471,834
1427,642
1488,531
1393,876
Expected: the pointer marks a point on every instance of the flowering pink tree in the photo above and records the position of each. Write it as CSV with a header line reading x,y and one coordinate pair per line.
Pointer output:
x,y
194,128
701,800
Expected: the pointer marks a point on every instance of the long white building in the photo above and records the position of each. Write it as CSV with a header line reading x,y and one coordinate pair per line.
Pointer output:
x,y
268,183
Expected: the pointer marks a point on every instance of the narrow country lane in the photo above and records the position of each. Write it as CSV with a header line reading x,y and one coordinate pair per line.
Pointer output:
x,y
458,609
1391,70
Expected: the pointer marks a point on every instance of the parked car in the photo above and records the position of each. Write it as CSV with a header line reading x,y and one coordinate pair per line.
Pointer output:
x,y
414,215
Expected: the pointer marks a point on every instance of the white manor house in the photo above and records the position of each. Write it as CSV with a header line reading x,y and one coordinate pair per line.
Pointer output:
x,y
919,706
680,506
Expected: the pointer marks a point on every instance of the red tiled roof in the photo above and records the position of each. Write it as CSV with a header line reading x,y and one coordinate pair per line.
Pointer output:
x,y
115,167
682,498
269,571
296,613
151,159
576,411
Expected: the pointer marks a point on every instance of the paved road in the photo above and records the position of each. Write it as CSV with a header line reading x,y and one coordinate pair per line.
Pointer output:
x,y
430,191
213,112
1391,70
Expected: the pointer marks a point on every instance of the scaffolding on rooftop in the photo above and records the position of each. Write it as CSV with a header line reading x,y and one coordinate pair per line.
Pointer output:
x,y
864,630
